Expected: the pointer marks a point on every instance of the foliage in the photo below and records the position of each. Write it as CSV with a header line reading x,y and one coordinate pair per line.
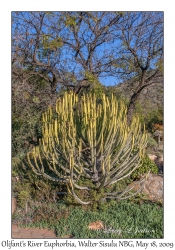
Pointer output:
x,y
28,101
147,166
89,46
158,127
84,139
149,115
151,142
23,197
49,213
98,89
119,95
28,187
50,43
121,220
159,65
154,117
70,21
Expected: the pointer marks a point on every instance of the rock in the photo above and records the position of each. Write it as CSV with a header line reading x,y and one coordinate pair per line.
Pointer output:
x,y
152,188
158,161
96,225
14,205
152,157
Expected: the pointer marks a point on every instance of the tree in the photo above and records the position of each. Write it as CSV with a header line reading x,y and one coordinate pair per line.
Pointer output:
x,y
53,51
77,50
139,54
65,49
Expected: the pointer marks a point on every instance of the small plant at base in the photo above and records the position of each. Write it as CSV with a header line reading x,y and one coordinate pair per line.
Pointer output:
x,y
151,142
147,166
23,199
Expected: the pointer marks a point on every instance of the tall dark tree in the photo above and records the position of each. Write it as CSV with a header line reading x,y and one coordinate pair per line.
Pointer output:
x,y
139,52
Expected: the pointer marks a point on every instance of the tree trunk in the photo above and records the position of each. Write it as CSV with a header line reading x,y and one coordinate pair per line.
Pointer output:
x,y
135,97
131,106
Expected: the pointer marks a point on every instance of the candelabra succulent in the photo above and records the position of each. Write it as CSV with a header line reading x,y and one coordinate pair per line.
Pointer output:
x,y
86,139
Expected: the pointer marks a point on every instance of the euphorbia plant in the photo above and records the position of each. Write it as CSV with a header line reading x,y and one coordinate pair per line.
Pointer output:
x,y
90,140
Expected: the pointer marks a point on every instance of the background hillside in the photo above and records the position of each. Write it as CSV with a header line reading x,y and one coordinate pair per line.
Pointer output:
x,y
150,102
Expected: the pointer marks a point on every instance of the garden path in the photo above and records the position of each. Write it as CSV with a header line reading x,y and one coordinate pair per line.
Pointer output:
x,y
32,233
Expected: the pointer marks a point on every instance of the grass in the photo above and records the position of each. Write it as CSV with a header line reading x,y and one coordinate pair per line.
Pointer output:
x,y
123,219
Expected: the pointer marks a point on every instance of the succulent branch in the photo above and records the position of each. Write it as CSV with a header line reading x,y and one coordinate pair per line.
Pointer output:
x,y
84,139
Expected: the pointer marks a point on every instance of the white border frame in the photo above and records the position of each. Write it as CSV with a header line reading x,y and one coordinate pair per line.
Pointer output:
x,y
5,94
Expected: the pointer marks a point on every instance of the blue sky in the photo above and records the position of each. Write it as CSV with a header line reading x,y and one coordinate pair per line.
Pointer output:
x,y
108,49
67,53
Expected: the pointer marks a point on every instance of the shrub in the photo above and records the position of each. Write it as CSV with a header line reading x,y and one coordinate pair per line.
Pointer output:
x,y
88,145
23,198
147,165
121,219
151,142
30,188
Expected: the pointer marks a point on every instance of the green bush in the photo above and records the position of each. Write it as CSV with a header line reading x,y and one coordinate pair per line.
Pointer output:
x,y
121,219
151,142
147,165
149,115
29,187
23,198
